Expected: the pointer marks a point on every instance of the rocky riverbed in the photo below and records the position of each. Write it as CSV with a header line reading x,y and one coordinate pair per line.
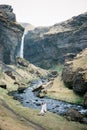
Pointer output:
x,y
29,99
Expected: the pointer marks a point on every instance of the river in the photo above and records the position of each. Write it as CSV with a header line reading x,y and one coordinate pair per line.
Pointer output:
x,y
29,99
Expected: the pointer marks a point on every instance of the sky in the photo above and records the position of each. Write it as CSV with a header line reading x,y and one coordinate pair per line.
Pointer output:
x,y
46,12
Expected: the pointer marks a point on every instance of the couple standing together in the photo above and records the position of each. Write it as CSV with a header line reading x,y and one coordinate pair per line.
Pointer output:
x,y
43,108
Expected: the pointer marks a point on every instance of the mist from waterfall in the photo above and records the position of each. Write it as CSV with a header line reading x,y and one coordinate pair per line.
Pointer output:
x,y
21,54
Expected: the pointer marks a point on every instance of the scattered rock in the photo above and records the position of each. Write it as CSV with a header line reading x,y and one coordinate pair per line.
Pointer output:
x,y
69,56
74,115
48,85
54,73
3,85
38,104
41,95
27,101
9,73
41,90
38,88
22,62
85,120
21,87
85,99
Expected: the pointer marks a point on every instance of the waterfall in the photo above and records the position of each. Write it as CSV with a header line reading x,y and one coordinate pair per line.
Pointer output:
x,y
21,55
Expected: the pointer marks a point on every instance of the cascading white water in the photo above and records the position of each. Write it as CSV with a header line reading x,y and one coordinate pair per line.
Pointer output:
x,y
21,55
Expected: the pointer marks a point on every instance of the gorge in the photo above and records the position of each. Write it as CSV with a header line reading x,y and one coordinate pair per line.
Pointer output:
x,y
46,47
49,46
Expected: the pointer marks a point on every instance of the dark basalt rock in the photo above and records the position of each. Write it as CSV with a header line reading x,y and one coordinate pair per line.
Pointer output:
x,y
74,115
10,35
22,62
9,73
67,75
22,87
74,73
69,56
48,46
79,83
3,85
7,12
85,99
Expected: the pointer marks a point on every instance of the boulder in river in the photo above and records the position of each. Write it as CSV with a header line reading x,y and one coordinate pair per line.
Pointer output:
x,y
22,87
73,115
41,90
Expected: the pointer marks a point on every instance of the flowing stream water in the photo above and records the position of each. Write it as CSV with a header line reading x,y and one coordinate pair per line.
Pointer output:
x,y
29,99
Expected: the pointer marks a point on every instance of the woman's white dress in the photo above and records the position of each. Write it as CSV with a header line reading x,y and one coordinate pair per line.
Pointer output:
x,y
43,109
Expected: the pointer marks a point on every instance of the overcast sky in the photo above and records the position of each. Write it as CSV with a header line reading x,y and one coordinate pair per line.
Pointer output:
x,y
46,12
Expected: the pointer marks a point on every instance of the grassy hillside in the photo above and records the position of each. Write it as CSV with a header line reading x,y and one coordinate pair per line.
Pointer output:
x,y
15,116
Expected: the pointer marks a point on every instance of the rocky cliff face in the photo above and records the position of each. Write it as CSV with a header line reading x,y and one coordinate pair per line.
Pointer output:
x,y
10,34
47,46
75,73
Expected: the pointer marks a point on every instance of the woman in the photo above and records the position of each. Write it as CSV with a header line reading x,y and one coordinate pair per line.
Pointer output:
x,y
43,109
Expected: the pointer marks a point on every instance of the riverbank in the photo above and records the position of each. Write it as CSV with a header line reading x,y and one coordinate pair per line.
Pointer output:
x,y
30,117
29,98
14,116
61,92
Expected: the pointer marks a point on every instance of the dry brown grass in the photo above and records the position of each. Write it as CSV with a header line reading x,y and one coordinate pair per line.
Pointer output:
x,y
9,121
59,91
17,117
13,116
80,61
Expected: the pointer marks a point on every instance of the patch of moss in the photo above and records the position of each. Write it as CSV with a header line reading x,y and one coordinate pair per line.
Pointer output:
x,y
58,68
79,100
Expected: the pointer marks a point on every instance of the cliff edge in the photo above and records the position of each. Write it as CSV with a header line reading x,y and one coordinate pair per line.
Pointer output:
x,y
10,35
